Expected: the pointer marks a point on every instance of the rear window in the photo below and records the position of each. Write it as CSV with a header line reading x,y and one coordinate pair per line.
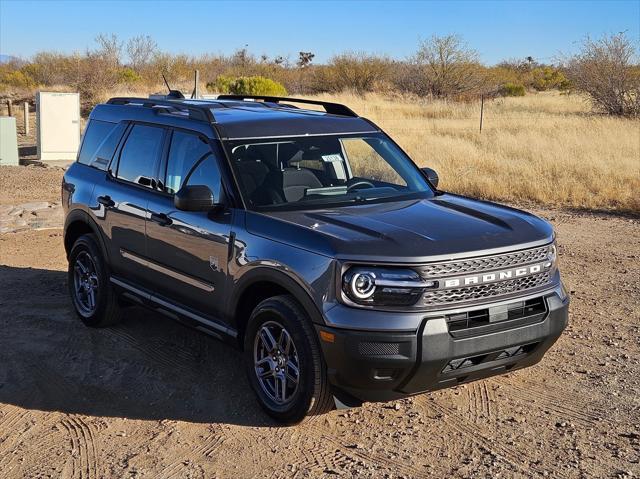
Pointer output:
x,y
100,141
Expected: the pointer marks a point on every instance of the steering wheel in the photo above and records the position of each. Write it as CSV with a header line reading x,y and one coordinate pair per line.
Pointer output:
x,y
359,184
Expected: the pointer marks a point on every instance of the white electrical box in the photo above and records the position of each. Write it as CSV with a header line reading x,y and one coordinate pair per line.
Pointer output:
x,y
58,119
8,141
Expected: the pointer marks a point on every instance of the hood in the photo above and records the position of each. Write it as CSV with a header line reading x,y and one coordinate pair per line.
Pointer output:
x,y
439,228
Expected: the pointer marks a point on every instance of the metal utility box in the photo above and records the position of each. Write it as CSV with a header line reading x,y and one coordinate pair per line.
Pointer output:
x,y
58,119
8,141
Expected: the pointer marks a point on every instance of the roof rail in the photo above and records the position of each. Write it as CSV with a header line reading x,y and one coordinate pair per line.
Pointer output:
x,y
329,107
196,112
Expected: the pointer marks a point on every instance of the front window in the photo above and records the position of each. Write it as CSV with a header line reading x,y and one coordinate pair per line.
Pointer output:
x,y
322,171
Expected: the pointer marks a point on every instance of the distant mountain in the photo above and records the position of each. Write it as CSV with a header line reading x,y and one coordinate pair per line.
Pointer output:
x,y
6,58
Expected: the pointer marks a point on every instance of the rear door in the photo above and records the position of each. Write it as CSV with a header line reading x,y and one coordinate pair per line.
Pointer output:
x,y
123,197
189,249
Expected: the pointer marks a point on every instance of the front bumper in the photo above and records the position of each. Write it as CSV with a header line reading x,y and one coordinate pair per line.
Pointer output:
x,y
381,366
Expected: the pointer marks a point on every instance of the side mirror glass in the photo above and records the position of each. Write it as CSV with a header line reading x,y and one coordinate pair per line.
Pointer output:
x,y
194,198
431,175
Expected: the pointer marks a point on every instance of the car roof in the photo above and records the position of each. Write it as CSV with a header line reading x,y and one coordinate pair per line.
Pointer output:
x,y
237,119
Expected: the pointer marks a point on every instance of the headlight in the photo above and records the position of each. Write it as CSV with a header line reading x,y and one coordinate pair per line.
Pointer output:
x,y
552,256
384,286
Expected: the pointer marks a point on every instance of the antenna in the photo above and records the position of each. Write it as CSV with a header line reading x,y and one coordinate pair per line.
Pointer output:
x,y
172,93
196,77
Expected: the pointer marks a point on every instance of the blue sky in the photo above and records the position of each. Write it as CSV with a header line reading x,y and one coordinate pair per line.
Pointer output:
x,y
497,29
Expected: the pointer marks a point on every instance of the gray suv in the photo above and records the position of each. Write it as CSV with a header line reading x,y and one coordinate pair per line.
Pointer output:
x,y
309,240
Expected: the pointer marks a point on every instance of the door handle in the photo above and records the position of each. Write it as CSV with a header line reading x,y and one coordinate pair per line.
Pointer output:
x,y
161,219
106,201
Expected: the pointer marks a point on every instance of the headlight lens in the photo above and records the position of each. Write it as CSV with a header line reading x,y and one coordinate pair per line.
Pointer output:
x,y
552,256
384,286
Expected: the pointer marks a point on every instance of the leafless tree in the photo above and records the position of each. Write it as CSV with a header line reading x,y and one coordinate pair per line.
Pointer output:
x,y
110,48
607,70
141,50
447,67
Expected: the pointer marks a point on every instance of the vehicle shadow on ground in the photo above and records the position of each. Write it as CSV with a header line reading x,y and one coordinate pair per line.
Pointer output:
x,y
147,367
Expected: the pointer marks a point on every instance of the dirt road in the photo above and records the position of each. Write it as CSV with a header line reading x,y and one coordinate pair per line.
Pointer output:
x,y
151,398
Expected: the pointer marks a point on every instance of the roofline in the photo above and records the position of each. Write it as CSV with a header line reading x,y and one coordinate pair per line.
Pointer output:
x,y
329,107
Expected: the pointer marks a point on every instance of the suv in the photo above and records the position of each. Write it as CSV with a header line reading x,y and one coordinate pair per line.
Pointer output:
x,y
309,240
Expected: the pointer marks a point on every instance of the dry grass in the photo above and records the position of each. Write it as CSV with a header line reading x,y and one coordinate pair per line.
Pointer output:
x,y
545,148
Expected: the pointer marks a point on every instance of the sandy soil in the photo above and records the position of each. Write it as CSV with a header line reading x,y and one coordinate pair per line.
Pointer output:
x,y
151,398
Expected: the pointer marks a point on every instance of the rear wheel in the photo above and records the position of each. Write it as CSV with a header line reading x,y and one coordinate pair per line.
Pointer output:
x,y
93,297
284,362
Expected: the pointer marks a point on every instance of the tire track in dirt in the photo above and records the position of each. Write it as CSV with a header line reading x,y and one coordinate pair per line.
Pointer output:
x,y
10,439
85,459
365,456
481,401
206,448
475,433
554,403
158,355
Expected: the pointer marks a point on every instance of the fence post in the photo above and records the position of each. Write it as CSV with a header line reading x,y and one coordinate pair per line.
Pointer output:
x,y
9,107
196,80
26,117
481,111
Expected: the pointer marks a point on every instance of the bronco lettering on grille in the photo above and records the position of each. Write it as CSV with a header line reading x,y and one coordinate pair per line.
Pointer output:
x,y
492,277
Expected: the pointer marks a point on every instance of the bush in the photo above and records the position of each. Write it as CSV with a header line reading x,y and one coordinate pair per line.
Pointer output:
x,y
128,76
255,85
18,78
512,89
604,69
546,78
355,71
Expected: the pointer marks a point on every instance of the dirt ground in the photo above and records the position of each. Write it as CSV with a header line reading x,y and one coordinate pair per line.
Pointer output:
x,y
152,398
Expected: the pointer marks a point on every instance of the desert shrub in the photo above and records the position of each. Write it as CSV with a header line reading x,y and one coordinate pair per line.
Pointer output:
x,y
18,78
447,68
511,89
128,76
606,70
359,72
254,85
546,78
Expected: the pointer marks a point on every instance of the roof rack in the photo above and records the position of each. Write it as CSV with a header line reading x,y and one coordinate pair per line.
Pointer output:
x,y
329,107
196,112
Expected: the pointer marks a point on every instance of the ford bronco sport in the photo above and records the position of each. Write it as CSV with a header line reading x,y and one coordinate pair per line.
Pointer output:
x,y
309,240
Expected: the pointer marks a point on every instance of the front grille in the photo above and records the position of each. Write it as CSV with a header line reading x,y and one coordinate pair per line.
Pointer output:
x,y
470,293
486,263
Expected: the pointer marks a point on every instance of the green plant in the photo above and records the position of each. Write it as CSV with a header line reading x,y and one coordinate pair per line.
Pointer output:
x,y
18,78
254,85
546,78
128,75
512,89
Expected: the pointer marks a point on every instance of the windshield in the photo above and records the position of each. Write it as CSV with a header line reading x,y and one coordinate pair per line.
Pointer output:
x,y
321,171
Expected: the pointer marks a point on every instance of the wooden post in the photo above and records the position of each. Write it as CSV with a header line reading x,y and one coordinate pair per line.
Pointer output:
x,y
196,80
26,117
481,111
9,108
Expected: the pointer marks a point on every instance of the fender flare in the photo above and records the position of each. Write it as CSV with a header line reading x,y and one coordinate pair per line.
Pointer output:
x,y
282,279
78,215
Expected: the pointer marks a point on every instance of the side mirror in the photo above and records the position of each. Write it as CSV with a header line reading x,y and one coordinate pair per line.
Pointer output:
x,y
194,198
431,175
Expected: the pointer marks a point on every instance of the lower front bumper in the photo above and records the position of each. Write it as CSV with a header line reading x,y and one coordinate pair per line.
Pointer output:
x,y
381,366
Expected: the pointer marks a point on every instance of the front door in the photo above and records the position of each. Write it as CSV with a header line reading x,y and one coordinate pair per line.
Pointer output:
x,y
188,250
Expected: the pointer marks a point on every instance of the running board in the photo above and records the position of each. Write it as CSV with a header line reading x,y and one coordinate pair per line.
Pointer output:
x,y
178,312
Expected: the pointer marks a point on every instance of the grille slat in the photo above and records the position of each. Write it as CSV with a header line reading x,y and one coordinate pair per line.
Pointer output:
x,y
487,263
469,293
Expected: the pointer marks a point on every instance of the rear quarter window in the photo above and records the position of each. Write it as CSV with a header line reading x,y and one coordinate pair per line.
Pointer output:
x,y
99,143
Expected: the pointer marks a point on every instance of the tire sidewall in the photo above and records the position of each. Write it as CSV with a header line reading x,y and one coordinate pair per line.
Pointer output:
x,y
280,312
88,244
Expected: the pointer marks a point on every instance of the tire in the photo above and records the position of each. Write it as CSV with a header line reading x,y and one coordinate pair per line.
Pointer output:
x,y
311,395
87,270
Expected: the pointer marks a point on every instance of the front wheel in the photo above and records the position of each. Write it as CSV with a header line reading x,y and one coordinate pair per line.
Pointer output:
x,y
284,362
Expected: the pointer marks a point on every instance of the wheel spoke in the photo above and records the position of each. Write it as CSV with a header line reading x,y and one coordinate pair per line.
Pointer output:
x,y
267,339
81,266
265,373
292,368
282,381
284,342
91,298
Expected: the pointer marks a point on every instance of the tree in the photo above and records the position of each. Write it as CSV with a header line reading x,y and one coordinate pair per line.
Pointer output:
x,y
110,49
305,59
607,70
447,67
141,50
